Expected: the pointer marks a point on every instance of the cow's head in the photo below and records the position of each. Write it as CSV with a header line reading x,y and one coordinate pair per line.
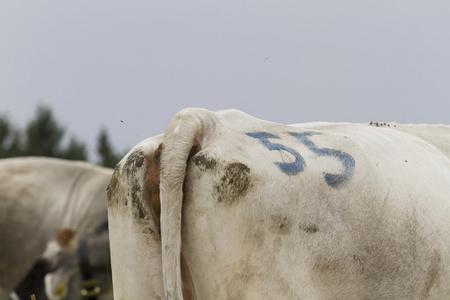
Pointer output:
x,y
64,259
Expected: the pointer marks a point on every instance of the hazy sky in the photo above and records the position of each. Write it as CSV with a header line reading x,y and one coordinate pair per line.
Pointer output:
x,y
131,65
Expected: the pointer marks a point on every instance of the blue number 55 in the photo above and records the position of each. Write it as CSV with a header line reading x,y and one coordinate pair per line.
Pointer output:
x,y
290,169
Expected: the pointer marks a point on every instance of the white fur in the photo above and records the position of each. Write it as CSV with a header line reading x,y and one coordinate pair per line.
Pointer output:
x,y
135,253
384,234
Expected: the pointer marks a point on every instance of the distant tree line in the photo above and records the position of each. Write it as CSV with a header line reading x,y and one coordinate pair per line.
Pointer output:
x,y
43,136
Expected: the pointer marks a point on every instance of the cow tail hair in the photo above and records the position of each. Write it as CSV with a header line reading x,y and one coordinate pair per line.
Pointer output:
x,y
185,130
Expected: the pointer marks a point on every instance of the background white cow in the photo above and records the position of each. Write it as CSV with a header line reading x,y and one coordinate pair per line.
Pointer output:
x,y
227,206
38,197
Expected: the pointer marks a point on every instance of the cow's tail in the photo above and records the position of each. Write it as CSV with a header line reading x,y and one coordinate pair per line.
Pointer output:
x,y
187,130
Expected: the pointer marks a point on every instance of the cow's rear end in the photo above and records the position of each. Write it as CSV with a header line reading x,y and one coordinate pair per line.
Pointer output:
x,y
250,209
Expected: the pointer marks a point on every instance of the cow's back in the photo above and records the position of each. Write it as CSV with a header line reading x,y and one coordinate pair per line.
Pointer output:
x,y
227,206
332,211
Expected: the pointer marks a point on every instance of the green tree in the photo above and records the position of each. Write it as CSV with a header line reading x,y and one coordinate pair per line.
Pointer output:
x,y
108,158
76,150
43,134
10,142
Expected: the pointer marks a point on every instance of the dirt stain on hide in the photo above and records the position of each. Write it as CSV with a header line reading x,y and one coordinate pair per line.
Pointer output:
x,y
204,162
131,191
328,271
148,231
234,183
136,191
134,162
280,225
236,287
256,236
310,228
432,274
113,186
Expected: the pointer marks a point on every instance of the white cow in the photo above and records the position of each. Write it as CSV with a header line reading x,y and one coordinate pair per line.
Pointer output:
x,y
38,197
227,206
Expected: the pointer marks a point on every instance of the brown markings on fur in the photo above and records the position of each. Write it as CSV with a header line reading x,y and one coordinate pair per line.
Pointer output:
x,y
64,236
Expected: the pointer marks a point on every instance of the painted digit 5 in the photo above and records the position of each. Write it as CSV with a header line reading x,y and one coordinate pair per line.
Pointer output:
x,y
290,169
333,180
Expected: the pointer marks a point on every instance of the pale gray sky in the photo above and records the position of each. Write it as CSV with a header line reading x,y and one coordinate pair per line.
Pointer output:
x,y
96,63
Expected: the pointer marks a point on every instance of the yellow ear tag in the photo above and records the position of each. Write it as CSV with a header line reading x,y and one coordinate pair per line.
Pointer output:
x,y
60,289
